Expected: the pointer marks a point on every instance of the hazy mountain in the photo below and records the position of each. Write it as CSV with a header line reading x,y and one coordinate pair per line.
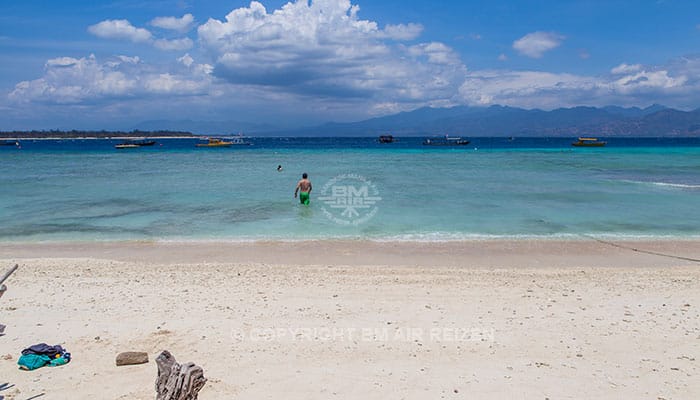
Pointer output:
x,y
655,120
207,127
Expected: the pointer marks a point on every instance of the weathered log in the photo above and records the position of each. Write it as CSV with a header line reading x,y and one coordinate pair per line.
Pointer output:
x,y
8,273
176,381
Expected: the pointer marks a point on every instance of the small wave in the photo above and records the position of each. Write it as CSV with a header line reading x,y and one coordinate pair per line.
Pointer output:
x,y
678,185
665,184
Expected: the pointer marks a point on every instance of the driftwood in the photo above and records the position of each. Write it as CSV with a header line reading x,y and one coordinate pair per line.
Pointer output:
x,y
8,273
175,381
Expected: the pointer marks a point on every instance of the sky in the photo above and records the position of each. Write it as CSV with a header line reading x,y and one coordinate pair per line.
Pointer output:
x,y
114,64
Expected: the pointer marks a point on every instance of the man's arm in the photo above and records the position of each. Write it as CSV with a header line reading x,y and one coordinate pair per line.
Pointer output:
x,y
297,189
310,187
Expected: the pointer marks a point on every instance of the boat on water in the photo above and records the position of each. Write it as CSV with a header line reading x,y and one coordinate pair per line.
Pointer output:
x,y
9,143
144,142
386,139
588,142
213,142
240,140
446,141
133,144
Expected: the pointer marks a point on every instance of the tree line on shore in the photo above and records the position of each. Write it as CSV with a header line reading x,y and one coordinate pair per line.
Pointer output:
x,y
34,134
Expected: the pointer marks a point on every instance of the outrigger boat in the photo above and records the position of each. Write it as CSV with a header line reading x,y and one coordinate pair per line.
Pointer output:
x,y
132,144
126,146
215,143
386,139
446,141
9,143
588,142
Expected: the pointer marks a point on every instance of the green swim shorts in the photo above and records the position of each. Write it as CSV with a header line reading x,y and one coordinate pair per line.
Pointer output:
x,y
304,198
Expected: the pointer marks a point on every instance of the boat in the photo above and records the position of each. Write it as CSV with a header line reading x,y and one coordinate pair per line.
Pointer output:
x,y
446,141
588,142
9,143
212,142
126,146
386,139
144,142
240,140
132,144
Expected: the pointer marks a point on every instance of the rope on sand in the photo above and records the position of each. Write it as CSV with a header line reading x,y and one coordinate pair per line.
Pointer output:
x,y
639,250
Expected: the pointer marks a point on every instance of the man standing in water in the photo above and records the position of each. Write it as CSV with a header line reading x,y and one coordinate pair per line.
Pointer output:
x,y
304,186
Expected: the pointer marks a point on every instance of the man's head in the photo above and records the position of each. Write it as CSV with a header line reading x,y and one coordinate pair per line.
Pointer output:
x,y
304,175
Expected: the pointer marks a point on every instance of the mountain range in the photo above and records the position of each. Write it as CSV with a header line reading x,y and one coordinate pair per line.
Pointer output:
x,y
655,120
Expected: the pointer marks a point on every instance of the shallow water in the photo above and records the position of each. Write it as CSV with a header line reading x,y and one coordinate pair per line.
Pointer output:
x,y
87,190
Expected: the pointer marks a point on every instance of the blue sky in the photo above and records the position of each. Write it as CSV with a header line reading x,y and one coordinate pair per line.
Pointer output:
x,y
114,64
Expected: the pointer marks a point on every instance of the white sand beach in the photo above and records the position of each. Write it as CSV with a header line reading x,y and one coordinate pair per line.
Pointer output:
x,y
360,320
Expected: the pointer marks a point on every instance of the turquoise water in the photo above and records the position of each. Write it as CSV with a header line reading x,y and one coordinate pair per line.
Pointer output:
x,y
89,191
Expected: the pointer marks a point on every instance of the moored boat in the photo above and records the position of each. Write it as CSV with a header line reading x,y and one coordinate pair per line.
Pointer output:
x,y
9,143
446,141
588,142
240,140
212,142
126,146
386,139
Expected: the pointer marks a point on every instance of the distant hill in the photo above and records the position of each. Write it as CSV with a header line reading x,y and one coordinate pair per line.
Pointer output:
x,y
207,127
655,120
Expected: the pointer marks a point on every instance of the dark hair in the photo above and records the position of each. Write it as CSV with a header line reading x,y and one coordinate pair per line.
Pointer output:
x,y
304,175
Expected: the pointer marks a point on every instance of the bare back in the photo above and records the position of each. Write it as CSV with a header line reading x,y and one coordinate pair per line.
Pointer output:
x,y
304,185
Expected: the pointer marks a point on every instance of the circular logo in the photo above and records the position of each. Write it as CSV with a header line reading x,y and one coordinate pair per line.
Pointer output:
x,y
349,199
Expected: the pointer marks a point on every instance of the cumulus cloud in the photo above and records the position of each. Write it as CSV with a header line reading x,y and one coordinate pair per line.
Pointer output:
x,y
182,24
123,30
120,29
78,80
535,44
320,57
173,44
402,32
626,69
522,88
627,84
323,48
645,80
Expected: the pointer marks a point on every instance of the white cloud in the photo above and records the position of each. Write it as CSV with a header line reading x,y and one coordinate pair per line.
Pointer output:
x,y
182,24
535,44
322,48
120,29
523,88
645,80
320,58
173,44
123,30
402,32
73,81
629,85
186,60
626,69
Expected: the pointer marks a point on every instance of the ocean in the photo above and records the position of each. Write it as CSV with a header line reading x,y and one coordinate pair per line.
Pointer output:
x,y
86,190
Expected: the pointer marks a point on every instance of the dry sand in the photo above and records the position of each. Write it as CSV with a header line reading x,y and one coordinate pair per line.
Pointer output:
x,y
360,320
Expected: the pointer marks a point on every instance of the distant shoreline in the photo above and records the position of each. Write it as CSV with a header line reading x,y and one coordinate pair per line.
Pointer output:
x,y
104,138
91,134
